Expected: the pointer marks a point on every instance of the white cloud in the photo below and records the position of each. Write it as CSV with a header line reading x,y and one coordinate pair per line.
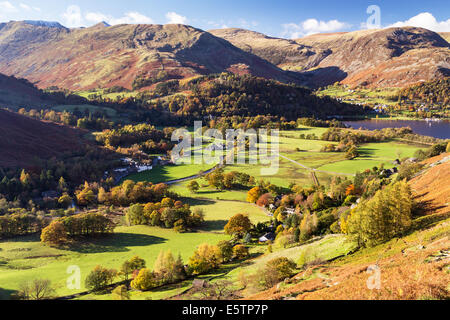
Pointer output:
x,y
131,18
72,17
7,7
175,18
312,26
425,20
128,18
96,17
25,6
247,24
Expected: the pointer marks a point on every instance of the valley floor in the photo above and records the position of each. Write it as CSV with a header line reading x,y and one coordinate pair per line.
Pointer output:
x,y
26,258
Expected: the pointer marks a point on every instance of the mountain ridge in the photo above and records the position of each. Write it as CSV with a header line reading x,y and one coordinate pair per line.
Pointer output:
x,y
358,58
79,59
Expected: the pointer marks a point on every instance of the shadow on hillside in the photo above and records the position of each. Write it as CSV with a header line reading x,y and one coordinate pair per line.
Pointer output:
x,y
198,202
423,208
28,238
5,294
322,77
214,225
118,242
366,152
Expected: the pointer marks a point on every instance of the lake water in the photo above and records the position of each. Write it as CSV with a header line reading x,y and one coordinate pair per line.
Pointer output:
x,y
435,129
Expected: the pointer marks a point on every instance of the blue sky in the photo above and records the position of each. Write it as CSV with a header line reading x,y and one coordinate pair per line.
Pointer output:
x,y
284,18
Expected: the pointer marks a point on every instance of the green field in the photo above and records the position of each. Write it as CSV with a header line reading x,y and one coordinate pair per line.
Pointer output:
x,y
307,153
209,193
373,154
83,107
168,173
367,96
112,95
217,213
25,258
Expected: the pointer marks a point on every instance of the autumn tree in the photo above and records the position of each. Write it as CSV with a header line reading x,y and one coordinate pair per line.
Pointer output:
x,y
277,270
240,252
54,234
352,153
86,196
65,200
238,225
265,200
308,225
205,258
219,290
129,266
168,269
145,280
254,194
381,218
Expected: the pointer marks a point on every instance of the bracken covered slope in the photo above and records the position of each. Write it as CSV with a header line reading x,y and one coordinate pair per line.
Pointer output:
x,y
394,57
23,140
104,56
433,188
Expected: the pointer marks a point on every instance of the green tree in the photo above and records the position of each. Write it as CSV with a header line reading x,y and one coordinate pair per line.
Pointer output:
x,y
135,215
226,250
99,278
193,186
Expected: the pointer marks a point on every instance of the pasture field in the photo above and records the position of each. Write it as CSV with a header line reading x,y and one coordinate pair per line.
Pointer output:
x,y
217,213
112,95
83,107
386,96
208,192
25,258
371,155
168,173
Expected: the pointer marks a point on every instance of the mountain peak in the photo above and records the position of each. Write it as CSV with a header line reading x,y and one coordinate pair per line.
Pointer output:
x,y
102,24
41,23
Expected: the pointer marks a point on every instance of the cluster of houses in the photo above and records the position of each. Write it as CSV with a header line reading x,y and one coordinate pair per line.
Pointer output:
x,y
131,166
270,236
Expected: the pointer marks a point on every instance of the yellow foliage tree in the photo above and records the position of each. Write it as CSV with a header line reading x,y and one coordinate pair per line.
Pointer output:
x,y
205,258
54,234
386,215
